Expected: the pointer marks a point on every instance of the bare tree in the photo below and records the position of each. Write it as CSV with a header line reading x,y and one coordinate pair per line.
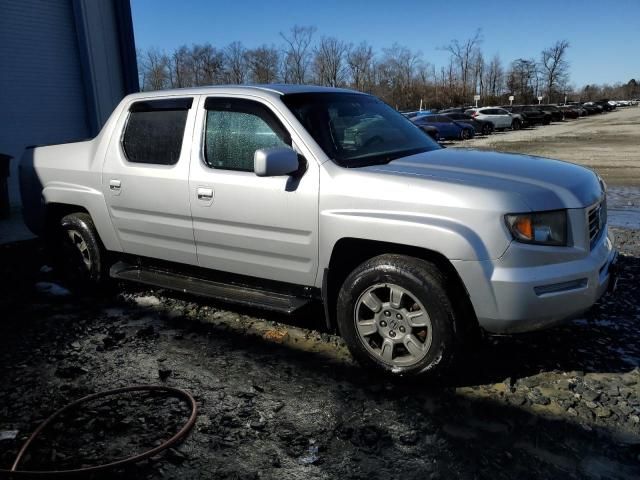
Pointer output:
x,y
297,53
397,72
360,65
494,77
181,68
522,79
155,70
263,64
329,61
235,62
211,65
555,67
463,55
478,73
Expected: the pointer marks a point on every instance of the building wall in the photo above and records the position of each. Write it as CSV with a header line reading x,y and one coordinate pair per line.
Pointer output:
x,y
64,65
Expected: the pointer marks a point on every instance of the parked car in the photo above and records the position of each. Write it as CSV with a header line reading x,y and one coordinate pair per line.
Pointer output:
x,y
453,110
557,115
430,130
499,117
606,105
256,196
530,115
569,111
417,114
593,108
448,129
481,127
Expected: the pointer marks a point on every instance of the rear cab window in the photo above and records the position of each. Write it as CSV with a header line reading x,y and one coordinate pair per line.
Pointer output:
x,y
154,130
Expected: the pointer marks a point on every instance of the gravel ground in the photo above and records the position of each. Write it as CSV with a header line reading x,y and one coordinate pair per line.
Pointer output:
x,y
608,143
287,402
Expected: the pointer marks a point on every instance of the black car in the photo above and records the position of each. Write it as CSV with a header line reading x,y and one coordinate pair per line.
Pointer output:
x,y
604,103
592,108
531,115
453,110
482,127
556,114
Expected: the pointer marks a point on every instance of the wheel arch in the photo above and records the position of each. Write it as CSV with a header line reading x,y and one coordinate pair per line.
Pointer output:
x,y
350,252
63,199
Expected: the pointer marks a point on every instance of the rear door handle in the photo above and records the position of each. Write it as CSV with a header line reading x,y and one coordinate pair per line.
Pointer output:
x,y
205,194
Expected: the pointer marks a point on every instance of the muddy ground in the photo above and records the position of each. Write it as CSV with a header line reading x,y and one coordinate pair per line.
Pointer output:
x,y
609,143
284,402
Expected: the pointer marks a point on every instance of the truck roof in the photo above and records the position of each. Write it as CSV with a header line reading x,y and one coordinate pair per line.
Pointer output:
x,y
272,89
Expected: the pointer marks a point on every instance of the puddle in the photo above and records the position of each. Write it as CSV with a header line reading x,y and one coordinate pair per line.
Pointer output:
x,y
623,207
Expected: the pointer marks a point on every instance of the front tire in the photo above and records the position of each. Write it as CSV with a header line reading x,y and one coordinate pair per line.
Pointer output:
x,y
395,316
80,255
516,124
465,134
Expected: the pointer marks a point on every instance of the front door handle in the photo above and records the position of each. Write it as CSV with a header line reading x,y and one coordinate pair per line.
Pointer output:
x,y
205,194
114,186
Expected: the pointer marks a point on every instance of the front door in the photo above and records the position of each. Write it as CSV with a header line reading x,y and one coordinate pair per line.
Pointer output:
x,y
145,179
258,226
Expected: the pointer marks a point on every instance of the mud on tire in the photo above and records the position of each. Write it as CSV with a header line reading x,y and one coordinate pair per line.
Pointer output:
x,y
399,300
78,253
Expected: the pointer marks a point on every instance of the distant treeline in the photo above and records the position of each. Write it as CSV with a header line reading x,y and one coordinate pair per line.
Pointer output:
x,y
399,75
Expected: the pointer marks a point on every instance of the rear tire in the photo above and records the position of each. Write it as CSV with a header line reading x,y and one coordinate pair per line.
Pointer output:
x,y
395,316
79,253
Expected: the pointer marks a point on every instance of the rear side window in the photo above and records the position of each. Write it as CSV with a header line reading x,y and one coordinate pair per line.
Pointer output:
x,y
154,131
235,129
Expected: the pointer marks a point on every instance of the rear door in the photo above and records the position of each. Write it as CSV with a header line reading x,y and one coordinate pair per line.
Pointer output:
x,y
264,227
145,179
445,126
504,117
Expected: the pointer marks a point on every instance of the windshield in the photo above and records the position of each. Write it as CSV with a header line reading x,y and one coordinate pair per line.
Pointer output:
x,y
356,130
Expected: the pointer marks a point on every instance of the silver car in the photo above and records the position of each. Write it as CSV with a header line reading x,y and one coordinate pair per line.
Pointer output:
x,y
500,118
277,196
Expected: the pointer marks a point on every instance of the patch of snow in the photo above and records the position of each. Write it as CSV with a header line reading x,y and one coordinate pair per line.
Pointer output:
x,y
46,269
623,207
147,301
52,289
113,312
8,434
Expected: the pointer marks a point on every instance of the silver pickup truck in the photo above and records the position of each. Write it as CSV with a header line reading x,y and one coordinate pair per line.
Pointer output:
x,y
277,196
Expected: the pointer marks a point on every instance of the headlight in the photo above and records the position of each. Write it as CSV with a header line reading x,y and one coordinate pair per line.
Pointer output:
x,y
540,228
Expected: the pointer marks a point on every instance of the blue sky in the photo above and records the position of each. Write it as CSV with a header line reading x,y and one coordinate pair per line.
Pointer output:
x,y
604,34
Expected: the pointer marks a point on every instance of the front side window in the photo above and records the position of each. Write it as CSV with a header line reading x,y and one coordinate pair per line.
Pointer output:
x,y
235,129
154,131
355,130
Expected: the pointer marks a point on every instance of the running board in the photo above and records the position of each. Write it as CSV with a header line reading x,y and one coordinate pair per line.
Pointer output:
x,y
253,297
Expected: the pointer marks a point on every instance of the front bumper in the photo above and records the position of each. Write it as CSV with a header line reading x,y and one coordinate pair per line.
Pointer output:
x,y
515,300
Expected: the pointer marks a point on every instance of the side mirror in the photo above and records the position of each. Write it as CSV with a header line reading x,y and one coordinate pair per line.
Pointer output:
x,y
275,161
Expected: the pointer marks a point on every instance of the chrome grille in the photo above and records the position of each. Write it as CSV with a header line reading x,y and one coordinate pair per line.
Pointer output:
x,y
596,219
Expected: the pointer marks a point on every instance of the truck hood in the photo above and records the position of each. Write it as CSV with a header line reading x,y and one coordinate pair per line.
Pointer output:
x,y
543,183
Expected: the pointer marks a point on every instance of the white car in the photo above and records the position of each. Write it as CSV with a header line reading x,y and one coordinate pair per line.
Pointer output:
x,y
498,116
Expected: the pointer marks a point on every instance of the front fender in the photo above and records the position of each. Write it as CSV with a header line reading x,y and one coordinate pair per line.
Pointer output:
x,y
451,238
